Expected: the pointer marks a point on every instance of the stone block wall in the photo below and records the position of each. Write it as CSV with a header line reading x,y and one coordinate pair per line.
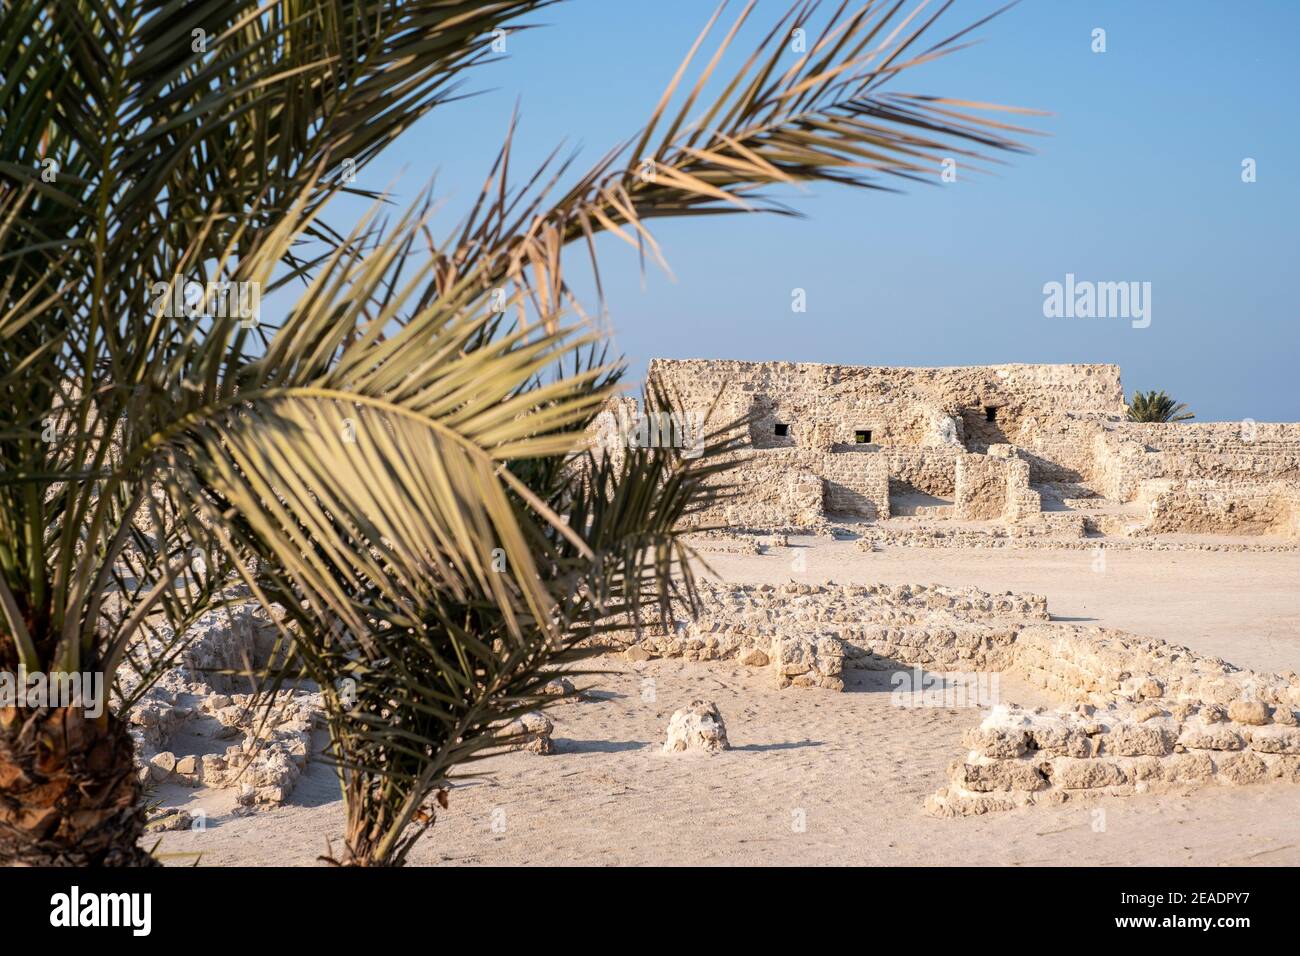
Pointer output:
x,y
932,471
1059,447
771,489
1142,714
1226,508
857,483
863,430
1244,454
1100,665
1120,465
981,487
840,440
1021,757
900,406
810,634
1136,713
1023,503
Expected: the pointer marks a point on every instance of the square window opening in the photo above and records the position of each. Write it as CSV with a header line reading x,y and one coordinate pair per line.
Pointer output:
x,y
862,436
990,413
782,430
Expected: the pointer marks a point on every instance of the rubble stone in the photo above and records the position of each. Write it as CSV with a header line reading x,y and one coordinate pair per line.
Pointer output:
x,y
697,727
530,732
1253,712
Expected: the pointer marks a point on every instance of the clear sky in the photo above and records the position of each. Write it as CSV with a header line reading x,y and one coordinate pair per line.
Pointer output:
x,y
1139,180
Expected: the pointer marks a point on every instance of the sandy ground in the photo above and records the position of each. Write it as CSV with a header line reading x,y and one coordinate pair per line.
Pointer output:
x,y
817,777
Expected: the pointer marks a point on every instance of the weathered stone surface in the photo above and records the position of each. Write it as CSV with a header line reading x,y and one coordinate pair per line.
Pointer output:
x,y
1252,712
1074,774
558,687
1211,737
1133,740
1285,767
697,727
1189,768
530,732
998,742
162,765
1149,712
1240,768
1275,740
212,767
808,661
999,775
169,820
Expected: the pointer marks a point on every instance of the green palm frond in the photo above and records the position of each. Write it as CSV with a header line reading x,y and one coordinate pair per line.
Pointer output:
x,y
142,142
1157,407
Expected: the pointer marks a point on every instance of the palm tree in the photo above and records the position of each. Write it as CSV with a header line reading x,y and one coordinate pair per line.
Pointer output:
x,y
395,462
1157,407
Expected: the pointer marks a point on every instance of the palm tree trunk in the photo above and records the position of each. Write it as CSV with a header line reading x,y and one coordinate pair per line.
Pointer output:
x,y
69,795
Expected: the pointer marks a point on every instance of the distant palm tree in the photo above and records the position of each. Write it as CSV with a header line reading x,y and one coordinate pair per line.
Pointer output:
x,y
1157,407
389,464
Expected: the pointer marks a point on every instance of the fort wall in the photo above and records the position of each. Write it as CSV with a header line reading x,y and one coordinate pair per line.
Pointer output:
x,y
1018,445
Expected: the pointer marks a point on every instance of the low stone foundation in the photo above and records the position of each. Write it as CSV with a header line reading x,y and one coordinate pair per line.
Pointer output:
x,y
1046,537
808,634
193,728
1136,714
1021,757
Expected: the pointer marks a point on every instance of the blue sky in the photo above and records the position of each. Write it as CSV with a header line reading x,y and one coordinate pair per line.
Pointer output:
x,y
1139,180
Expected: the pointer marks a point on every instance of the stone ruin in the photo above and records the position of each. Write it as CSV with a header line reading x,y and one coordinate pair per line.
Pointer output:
x,y
200,726
978,456
697,728
1025,456
197,726
1135,714
806,635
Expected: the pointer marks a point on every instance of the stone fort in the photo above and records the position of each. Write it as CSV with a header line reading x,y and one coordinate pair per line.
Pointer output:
x,y
1035,450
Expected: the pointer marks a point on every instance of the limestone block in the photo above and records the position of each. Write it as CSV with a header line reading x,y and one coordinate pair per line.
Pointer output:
x,y
530,732
1253,712
1275,740
1132,740
1210,737
558,687
1240,768
989,775
169,820
697,727
1188,768
808,661
162,765
1072,773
